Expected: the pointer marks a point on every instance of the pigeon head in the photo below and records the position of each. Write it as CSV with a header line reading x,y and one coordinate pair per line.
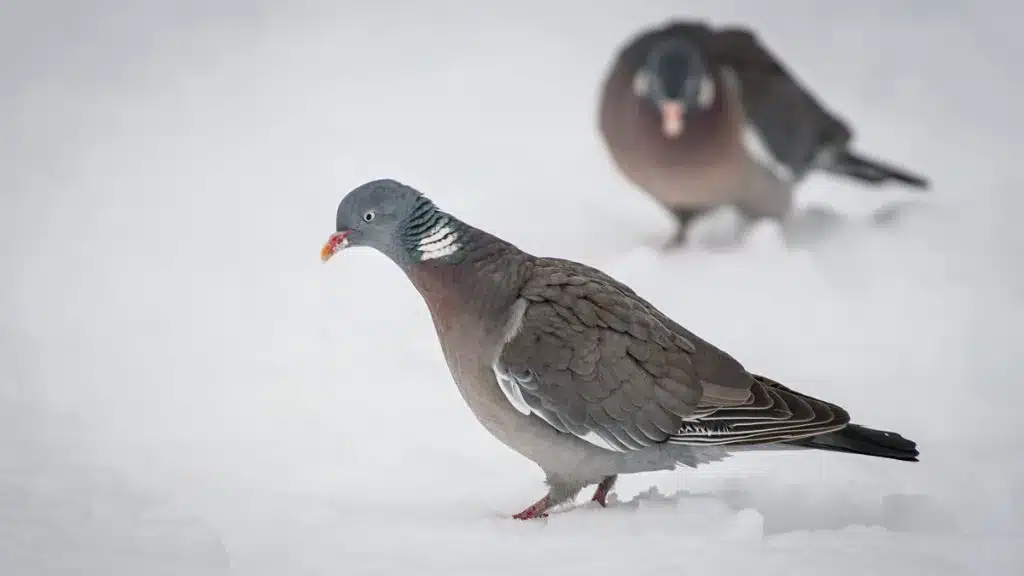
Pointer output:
x,y
675,78
396,220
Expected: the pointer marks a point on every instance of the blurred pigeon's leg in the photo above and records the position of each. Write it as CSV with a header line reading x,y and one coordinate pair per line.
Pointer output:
x,y
745,222
684,218
601,494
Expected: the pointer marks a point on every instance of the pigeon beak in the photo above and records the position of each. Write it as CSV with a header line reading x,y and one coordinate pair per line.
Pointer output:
x,y
336,243
672,112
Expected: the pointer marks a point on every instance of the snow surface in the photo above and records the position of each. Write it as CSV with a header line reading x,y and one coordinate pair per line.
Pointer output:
x,y
185,389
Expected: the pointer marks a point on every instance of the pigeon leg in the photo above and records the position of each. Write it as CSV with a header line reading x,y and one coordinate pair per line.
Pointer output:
x,y
601,494
684,219
558,491
675,241
537,510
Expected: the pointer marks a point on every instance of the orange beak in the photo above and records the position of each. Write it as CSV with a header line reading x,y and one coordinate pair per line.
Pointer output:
x,y
336,243
672,112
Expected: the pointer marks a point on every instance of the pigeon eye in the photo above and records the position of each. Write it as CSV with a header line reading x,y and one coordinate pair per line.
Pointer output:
x,y
369,216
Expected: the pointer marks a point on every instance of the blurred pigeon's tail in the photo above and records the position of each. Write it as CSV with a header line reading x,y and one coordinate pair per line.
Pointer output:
x,y
856,439
846,163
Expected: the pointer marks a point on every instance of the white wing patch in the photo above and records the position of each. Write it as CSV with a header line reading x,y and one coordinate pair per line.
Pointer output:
x,y
512,391
596,440
508,384
443,241
761,154
752,140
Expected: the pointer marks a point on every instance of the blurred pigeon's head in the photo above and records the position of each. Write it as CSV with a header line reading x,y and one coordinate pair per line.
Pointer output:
x,y
675,78
398,221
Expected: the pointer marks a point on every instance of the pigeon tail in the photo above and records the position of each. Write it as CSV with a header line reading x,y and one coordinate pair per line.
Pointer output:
x,y
856,439
851,165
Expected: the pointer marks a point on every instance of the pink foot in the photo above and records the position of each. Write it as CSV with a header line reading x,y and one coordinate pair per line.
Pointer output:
x,y
601,494
537,510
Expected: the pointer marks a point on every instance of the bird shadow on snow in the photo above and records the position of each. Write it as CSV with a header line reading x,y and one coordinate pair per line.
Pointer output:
x,y
778,510
812,227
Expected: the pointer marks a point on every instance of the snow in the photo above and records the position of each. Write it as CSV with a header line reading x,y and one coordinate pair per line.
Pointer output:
x,y
185,389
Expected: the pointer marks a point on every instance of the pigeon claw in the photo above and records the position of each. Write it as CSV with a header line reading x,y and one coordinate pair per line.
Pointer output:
x,y
537,510
602,491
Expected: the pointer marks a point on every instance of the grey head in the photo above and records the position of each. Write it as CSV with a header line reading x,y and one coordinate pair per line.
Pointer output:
x,y
398,221
676,79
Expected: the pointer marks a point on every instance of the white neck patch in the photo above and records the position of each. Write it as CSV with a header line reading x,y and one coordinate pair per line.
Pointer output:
x,y
441,241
